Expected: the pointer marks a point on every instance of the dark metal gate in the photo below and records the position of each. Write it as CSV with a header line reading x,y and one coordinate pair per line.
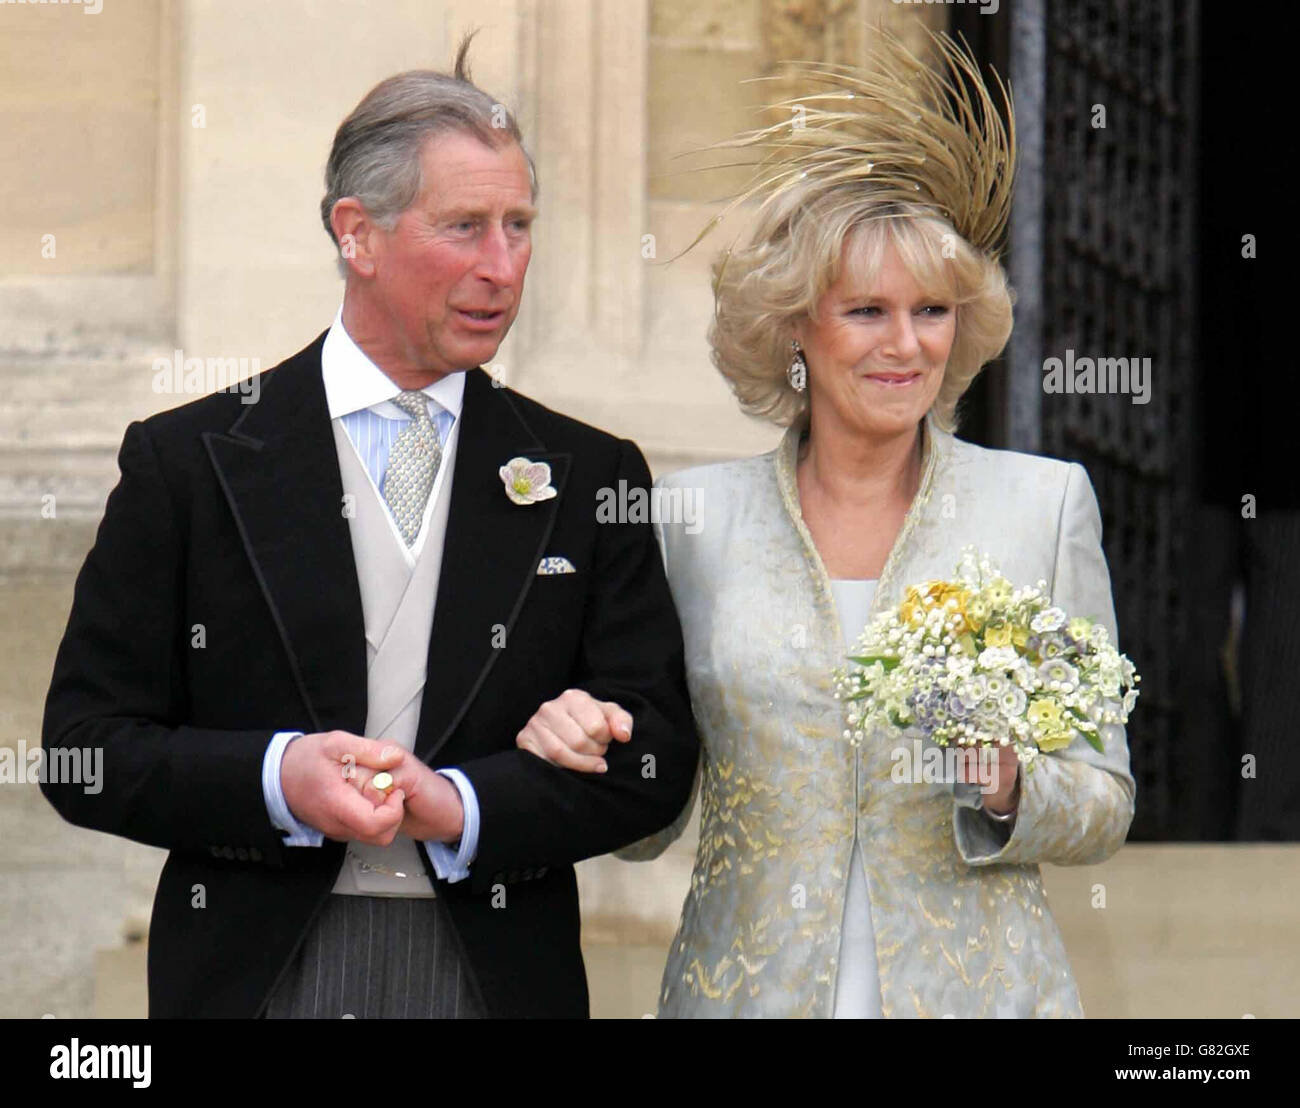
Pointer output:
x,y
1102,259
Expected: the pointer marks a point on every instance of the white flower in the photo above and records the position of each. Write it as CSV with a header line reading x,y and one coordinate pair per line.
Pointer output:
x,y
997,657
960,666
1059,674
1023,674
526,482
1049,619
1012,701
970,692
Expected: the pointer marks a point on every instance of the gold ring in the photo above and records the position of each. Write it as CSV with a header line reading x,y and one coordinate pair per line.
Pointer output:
x,y
382,781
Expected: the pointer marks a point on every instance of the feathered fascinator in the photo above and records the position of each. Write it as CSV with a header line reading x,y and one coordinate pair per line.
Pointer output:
x,y
898,130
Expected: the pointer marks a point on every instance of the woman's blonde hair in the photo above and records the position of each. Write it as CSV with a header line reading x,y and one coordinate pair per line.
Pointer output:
x,y
795,251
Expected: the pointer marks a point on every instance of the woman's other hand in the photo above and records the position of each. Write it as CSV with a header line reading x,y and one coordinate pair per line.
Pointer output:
x,y
1000,773
574,730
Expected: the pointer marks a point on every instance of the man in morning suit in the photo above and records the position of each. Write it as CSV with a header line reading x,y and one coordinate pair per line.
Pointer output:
x,y
317,636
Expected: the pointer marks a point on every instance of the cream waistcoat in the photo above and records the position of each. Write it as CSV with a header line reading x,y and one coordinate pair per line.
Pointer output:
x,y
398,602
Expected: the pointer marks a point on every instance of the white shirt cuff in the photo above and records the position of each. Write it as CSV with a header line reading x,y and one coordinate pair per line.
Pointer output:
x,y
453,865
299,834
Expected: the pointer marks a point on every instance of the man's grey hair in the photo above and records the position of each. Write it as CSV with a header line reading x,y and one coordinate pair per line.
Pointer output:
x,y
376,153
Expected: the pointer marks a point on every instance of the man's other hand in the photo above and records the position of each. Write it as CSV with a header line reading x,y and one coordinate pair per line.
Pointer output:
x,y
433,809
318,778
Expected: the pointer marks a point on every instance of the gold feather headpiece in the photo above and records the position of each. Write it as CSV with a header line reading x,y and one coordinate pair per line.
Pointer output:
x,y
899,130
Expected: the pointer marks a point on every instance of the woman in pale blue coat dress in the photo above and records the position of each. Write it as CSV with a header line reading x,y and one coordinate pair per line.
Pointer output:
x,y
823,886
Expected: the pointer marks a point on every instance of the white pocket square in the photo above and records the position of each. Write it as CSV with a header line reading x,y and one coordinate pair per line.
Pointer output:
x,y
547,566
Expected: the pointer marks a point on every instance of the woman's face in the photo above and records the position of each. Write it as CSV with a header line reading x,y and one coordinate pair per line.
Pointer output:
x,y
876,354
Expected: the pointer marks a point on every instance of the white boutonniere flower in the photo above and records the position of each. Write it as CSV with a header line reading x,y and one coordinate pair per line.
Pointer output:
x,y
527,482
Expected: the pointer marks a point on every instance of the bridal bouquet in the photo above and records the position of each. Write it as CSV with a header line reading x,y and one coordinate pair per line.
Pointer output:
x,y
976,662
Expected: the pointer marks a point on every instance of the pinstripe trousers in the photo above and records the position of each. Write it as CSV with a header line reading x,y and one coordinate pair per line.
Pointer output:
x,y
377,957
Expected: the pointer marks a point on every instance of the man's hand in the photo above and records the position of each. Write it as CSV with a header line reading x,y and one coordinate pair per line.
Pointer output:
x,y
316,778
433,810
574,730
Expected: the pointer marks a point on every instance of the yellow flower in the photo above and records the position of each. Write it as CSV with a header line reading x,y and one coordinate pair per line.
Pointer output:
x,y
977,612
912,611
1045,714
918,601
1055,740
1079,628
997,634
952,599
999,590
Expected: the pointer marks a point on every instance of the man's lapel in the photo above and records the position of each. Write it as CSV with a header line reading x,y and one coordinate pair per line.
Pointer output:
x,y
490,557
279,469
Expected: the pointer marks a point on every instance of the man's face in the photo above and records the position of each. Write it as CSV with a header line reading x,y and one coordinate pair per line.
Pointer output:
x,y
449,276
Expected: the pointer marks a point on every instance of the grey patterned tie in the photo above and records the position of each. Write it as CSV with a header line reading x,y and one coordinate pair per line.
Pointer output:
x,y
412,465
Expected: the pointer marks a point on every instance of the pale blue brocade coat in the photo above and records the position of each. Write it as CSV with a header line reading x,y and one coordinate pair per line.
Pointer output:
x,y
962,926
